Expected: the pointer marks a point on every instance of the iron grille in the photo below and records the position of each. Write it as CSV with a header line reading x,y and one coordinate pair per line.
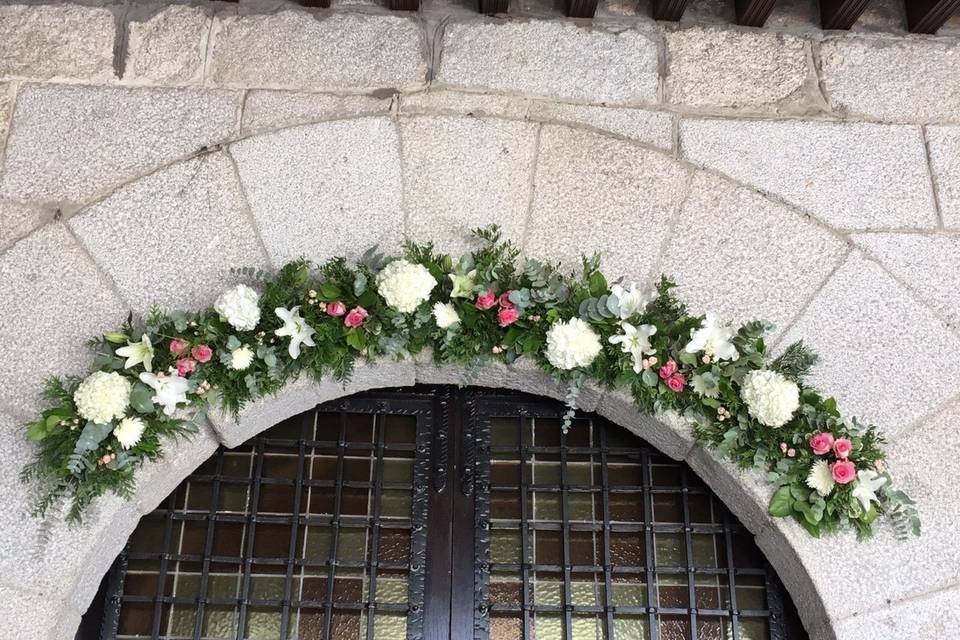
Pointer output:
x,y
442,513
595,534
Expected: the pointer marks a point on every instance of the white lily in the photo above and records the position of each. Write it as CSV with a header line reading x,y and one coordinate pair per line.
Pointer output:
x,y
137,353
168,390
635,341
296,328
713,338
462,284
633,300
868,482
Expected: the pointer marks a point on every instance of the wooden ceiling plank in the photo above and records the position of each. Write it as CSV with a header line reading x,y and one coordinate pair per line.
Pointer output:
x,y
669,9
841,14
926,16
753,13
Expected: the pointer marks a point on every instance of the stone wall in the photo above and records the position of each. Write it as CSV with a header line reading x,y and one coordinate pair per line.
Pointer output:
x,y
808,177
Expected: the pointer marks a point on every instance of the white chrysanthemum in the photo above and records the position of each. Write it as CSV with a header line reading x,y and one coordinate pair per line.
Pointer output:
x,y
240,305
103,397
129,432
770,397
241,358
445,314
820,478
572,344
405,285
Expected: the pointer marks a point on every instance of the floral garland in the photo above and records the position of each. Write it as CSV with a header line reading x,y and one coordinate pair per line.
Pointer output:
x,y
159,377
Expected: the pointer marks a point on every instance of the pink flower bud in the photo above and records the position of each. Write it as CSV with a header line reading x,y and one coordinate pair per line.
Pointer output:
x,y
356,317
336,309
843,471
791,453
186,366
504,300
507,316
486,300
178,346
821,443
668,369
202,353
842,448
676,382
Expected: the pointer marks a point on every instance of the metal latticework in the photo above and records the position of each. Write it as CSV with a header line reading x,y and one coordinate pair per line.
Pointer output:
x,y
443,513
594,534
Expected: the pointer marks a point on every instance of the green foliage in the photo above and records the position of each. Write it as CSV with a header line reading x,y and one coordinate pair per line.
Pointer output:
x,y
796,362
79,461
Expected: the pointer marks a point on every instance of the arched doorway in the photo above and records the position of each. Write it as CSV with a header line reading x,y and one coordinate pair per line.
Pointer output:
x,y
437,512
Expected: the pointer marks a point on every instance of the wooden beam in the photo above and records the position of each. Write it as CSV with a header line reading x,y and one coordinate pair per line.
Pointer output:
x,y
668,9
926,16
753,13
494,6
841,14
581,8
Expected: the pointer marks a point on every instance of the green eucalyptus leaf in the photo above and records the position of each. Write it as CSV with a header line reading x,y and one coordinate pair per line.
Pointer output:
x,y
650,378
141,398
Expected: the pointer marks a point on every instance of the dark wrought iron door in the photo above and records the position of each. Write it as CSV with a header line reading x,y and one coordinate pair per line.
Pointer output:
x,y
435,514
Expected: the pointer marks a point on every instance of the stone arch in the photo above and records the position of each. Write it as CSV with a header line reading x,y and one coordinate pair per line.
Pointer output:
x,y
336,186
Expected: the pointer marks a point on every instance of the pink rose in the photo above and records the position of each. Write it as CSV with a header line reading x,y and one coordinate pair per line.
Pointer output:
x,y
178,346
186,366
843,471
821,443
676,382
842,448
668,369
486,300
356,317
504,300
336,309
507,316
791,453
202,353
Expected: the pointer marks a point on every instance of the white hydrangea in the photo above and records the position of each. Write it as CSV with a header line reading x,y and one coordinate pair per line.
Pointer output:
x,y
240,306
405,285
572,344
129,432
241,358
103,397
770,397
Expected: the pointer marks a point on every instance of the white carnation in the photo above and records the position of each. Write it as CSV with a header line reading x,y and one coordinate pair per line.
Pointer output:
x,y
240,306
405,285
572,344
241,358
770,397
103,397
129,432
445,314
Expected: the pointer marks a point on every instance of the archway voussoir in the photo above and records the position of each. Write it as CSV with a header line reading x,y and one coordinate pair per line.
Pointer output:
x,y
157,480
745,492
580,174
324,190
24,608
197,211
